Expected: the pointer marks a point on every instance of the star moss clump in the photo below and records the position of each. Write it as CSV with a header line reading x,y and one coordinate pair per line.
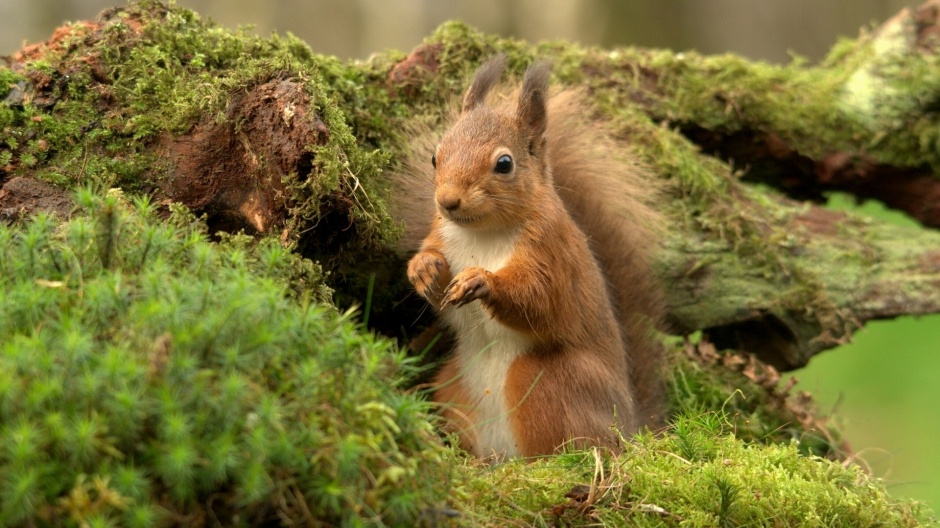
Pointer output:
x,y
149,377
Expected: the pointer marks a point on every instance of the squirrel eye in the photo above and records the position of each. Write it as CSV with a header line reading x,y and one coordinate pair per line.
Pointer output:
x,y
503,165
434,160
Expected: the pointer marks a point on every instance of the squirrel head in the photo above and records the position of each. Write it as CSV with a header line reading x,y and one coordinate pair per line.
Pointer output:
x,y
492,164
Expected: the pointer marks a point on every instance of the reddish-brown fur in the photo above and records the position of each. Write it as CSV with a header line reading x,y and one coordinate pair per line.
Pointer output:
x,y
582,309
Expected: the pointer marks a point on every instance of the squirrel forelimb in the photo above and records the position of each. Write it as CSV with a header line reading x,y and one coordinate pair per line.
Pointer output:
x,y
429,272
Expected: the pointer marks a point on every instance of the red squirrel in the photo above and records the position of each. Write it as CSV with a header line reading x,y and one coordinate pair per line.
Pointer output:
x,y
536,258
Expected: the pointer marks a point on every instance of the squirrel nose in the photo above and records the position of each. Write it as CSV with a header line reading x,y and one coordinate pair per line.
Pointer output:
x,y
450,203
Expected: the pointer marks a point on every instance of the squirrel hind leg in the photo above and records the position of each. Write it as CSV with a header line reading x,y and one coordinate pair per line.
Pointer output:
x,y
556,402
456,407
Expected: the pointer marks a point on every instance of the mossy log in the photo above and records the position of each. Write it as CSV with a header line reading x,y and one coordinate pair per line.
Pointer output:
x,y
266,136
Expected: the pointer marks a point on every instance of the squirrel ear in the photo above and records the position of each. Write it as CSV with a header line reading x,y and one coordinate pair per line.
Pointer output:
x,y
484,79
532,115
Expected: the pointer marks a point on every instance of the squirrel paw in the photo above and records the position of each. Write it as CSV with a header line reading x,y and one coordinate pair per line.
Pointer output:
x,y
469,285
428,271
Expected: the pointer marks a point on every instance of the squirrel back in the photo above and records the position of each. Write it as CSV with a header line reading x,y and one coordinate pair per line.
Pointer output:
x,y
606,194
612,197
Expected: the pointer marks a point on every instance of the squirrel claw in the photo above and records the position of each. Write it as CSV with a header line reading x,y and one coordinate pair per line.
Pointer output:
x,y
469,285
426,271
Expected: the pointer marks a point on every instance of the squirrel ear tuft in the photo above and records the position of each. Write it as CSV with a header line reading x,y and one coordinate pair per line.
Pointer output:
x,y
532,114
486,76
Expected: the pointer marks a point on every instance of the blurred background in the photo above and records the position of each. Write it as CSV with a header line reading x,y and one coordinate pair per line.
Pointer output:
x,y
767,30
883,387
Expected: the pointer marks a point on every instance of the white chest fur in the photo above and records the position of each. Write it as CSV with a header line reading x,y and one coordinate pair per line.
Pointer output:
x,y
485,348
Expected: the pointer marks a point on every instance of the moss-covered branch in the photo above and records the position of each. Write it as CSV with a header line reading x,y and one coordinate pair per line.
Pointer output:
x,y
802,282
265,136
862,121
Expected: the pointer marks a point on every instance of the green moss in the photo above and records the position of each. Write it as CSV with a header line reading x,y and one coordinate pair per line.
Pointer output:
x,y
145,370
727,383
871,96
99,104
728,94
696,474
